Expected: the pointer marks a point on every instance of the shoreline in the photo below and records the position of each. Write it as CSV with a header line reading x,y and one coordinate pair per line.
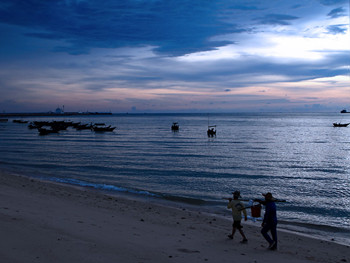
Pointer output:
x,y
51,222
317,231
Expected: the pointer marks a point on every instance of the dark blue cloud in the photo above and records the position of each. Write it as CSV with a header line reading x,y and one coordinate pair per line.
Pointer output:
x,y
276,19
337,29
174,26
333,2
337,12
245,7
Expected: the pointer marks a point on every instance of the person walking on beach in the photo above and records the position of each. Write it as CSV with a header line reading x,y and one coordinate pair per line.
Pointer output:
x,y
270,221
237,210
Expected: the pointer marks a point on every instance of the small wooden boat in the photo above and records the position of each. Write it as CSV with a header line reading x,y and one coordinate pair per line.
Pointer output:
x,y
103,129
175,126
20,121
83,127
33,126
340,124
211,131
75,124
3,120
40,124
43,131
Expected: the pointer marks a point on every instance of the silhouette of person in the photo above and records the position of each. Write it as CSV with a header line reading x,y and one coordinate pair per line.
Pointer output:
x,y
269,223
237,210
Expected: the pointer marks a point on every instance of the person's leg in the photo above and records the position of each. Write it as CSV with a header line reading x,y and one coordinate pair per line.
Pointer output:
x,y
239,227
274,236
243,235
264,232
233,232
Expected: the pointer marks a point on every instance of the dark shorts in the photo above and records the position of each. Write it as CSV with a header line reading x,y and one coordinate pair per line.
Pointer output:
x,y
237,224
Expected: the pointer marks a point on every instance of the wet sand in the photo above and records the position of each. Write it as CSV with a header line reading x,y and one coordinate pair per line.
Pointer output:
x,y
50,222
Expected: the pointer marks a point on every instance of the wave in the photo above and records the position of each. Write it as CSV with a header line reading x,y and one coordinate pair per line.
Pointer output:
x,y
98,186
321,231
313,226
113,188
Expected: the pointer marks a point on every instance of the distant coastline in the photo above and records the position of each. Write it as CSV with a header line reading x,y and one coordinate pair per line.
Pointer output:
x,y
26,114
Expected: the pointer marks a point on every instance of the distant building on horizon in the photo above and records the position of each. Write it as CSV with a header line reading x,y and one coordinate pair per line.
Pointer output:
x,y
59,110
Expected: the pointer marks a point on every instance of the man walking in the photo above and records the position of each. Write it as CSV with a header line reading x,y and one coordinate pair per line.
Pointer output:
x,y
270,221
237,209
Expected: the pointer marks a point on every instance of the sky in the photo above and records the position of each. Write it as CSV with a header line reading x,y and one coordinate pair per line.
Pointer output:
x,y
174,56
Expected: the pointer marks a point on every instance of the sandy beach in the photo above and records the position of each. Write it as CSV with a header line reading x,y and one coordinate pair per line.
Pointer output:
x,y
50,222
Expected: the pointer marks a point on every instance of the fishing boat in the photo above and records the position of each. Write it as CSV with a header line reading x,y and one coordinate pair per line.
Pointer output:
x,y
83,127
43,131
175,126
32,125
75,124
103,129
40,124
335,124
59,125
20,121
211,130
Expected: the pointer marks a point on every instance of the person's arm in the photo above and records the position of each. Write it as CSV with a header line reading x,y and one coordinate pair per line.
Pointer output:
x,y
244,212
267,214
229,205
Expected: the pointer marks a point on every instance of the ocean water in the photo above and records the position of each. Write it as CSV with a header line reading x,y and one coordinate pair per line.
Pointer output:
x,y
298,157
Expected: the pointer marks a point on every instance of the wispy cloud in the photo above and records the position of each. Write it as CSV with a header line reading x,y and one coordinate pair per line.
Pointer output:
x,y
337,29
337,12
333,2
276,19
174,27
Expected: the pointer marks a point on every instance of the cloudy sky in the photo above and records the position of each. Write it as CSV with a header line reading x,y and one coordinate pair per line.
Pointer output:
x,y
174,55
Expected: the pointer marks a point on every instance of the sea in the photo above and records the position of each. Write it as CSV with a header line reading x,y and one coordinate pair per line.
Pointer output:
x,y
298,157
